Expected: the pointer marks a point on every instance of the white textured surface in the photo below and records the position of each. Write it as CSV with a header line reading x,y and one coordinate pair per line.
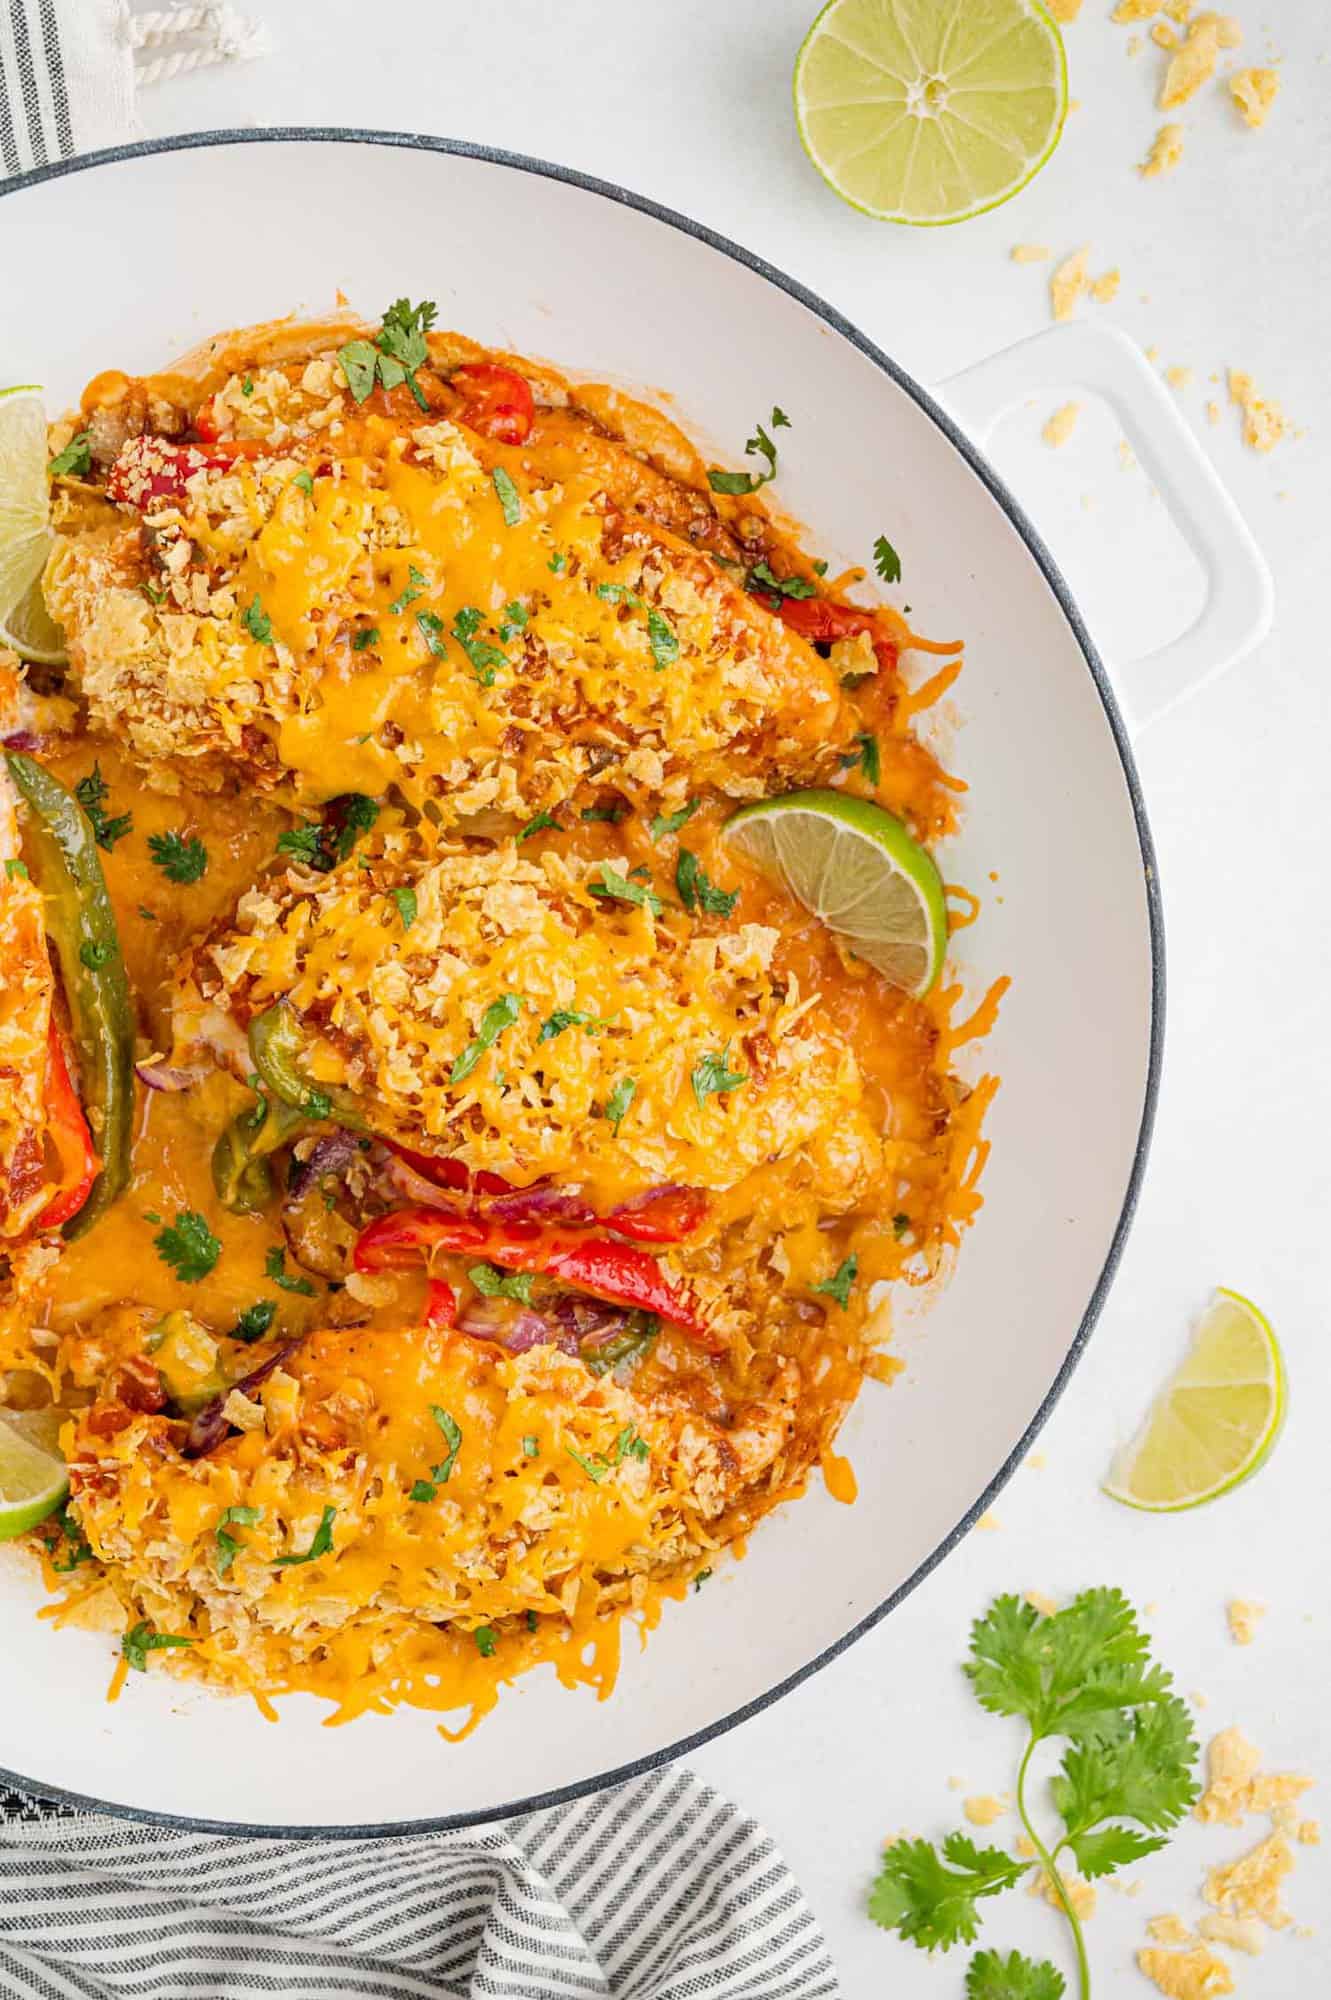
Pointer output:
x,y
689,103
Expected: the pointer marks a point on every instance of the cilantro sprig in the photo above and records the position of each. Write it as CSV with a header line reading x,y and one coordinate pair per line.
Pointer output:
x,y
500,1014
397,351
141,1640
697,892
758,446
92,793
182,858
1082,1676
188,1246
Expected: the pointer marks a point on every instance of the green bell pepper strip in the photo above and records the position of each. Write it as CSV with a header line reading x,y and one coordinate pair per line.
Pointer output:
x,y
275,1047
241,1174
81,925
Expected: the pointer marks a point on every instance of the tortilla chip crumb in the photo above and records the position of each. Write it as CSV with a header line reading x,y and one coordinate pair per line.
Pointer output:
x,y
1239,1933
1169,1929
1186,1975
1310,1833
1135,10
1105,287
983,1809
1165,154
1263,420
988,1524
1178,377
1127,457
1254,91
1024,1847
1037,1461
1235,1785
1030,253
1064,11
1134,45
1177,10
1243,1612
1213,412
1250,1886
1068,283
1039,1602
1080,1894
1061,425
1193,64
1163,36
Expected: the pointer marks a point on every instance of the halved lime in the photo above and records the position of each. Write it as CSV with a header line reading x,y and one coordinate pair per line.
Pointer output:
x,y
33,1478
930,111
25,528
860,873
1216,1419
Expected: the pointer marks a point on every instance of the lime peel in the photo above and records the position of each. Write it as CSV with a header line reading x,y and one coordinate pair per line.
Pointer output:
x,y
33,1476
25,530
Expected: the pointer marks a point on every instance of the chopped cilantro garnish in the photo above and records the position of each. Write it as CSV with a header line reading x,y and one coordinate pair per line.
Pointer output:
x,y
255,1321
425,1489
760,578
96,955
431,628
246,386
629,1445
700,1578
78,1549
486,1640
508,497
618,1102
712,1075
663,639
321,1544
617,593
819,568
595,1467
516,619
229,1546
759,445
141,1640
274,1264
886,560
92,792
181,858
405,902
618,888
188,1246
636,1339
697,891
399,349
838,1286
665,823
305,482
257,622
531,1446
558,562
540,822
484,657
17,871
75,461
900,1224
305,842
500,1014
568,1017
414,586
493,1284
367,636
866,755
153,595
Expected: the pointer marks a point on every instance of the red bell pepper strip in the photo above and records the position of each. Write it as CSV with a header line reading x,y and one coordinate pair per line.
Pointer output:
x,y
149,470
495,401
445,1172
822,622
662,1215
67,1129
619,1272
441,1304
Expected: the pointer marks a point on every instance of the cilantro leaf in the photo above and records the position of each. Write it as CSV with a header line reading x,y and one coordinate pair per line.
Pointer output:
x,y
500,1014
696,892
255,1321
92,793
229,1546
321,1544
305,481
484,657
665,823
539,823
142,1640
452,1438
405,902
839,1285
760,578
367,636
929,1895
866,755
663,640
508,497
1143,1774
886,560
618,888
494,1284
567,1017
257,622
304,842
402,345
75,461
360,363
989,1976
180,858
274,1267
531,1446
618,593
16,871
595,1467
415,584
618,1102
758,446
486,1640
188,1246
712,1074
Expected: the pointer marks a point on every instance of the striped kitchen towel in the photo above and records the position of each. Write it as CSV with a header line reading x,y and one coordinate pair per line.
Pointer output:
x,y
70,69
658,1890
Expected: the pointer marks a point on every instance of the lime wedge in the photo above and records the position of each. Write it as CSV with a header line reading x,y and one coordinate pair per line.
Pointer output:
x,y
859,871
33,1479
1214,1422
25,530
929,111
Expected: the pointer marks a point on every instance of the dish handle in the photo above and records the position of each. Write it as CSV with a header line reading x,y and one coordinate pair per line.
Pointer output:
x,y
1237,609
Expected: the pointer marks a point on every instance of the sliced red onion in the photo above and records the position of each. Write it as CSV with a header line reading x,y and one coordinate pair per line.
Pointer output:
x,y
161,1076
584,1317
423,1193
540,1203
210,1426
516,1331
332,1154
